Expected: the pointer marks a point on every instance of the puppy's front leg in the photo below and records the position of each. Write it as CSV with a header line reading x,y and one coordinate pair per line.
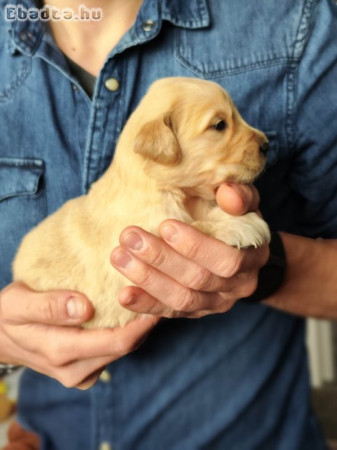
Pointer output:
x,y
238,231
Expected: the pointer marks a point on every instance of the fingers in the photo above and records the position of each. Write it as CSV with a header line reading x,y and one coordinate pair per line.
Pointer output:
x,y
74,356
186,276
237,199
47,363
138,300
61,346
84,372
155,282
88,382
153,251
70,354
210,253
19,304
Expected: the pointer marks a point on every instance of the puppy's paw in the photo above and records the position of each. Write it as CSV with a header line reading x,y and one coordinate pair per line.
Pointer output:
x,y
244,231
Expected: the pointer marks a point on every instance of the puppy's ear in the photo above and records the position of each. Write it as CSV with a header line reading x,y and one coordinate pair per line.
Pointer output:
x,y
158,142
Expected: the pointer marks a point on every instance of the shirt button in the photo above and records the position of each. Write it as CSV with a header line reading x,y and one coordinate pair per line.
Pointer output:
x,y
105,376
148,25
112,84
105,446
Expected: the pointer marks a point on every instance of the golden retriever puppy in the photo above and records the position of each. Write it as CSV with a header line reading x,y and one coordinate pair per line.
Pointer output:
x,y
185,138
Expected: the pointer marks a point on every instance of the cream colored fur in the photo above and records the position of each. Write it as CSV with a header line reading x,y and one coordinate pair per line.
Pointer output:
x,y
168,163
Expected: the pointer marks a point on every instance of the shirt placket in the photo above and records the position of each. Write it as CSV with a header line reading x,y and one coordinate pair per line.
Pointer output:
x,y
105,122
106,412
111,105
104,128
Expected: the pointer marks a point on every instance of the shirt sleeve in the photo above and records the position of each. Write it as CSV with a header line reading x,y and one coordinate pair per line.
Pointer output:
x,y
314,121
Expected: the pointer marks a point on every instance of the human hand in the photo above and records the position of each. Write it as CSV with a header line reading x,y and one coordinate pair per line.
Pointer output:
x,y
42,331
186,273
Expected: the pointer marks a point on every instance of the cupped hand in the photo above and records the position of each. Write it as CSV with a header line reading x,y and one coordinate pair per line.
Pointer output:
x,y
184,273
42,331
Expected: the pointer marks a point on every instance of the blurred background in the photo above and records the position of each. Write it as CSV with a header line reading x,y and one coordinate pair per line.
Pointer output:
x,y
322,345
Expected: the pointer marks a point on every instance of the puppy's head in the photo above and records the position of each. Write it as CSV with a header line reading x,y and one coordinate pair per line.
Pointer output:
x,y
196,138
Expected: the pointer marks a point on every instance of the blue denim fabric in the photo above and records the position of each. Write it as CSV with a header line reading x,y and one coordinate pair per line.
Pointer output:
x,y
232,381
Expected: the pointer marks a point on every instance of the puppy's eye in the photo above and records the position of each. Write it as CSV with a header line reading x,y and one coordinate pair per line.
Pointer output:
x,y
220,125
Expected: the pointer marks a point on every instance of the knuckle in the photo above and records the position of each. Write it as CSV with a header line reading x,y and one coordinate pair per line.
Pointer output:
x,y
185,302
55,360
55,355
193,249
68,384
47,310
199,279
84,386
89,381
145,277
65,378
249,286
74,379
231,266
157,258
122,347
51,308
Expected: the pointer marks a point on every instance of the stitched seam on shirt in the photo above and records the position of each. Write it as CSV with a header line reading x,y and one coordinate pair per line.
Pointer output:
x,y
237,70
302,36
22,75
22,193
303,30
25,163
203,10
89,139
291,94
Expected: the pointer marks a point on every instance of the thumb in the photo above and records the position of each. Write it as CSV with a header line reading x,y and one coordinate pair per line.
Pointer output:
x,y
237,199
19,305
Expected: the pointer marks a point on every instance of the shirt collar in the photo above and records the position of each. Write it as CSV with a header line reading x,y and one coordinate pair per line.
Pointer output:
x,y
26,36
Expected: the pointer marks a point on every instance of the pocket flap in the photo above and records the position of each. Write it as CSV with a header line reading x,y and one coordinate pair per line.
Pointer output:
x,y
19,176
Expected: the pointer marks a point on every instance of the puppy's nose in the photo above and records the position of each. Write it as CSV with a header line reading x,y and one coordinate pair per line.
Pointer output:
x,y
264,148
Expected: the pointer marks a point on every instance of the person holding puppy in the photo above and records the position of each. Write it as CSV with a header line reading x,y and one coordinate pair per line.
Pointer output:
x,y
236,376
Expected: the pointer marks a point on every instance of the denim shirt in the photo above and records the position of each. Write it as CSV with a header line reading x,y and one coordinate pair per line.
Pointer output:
x,y
231,381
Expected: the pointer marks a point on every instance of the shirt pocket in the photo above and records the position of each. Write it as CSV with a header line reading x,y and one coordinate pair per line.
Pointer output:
x,y
213,57
19,177
22,206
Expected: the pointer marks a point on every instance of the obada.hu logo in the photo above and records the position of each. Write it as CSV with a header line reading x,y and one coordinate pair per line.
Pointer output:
x,y
51,13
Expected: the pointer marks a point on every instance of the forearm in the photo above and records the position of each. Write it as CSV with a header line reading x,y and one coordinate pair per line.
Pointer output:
x,y
310,286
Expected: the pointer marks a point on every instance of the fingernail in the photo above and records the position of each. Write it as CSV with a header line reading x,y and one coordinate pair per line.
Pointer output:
x,y
134,241
236,187
232,185
169,233
75,308
122,259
